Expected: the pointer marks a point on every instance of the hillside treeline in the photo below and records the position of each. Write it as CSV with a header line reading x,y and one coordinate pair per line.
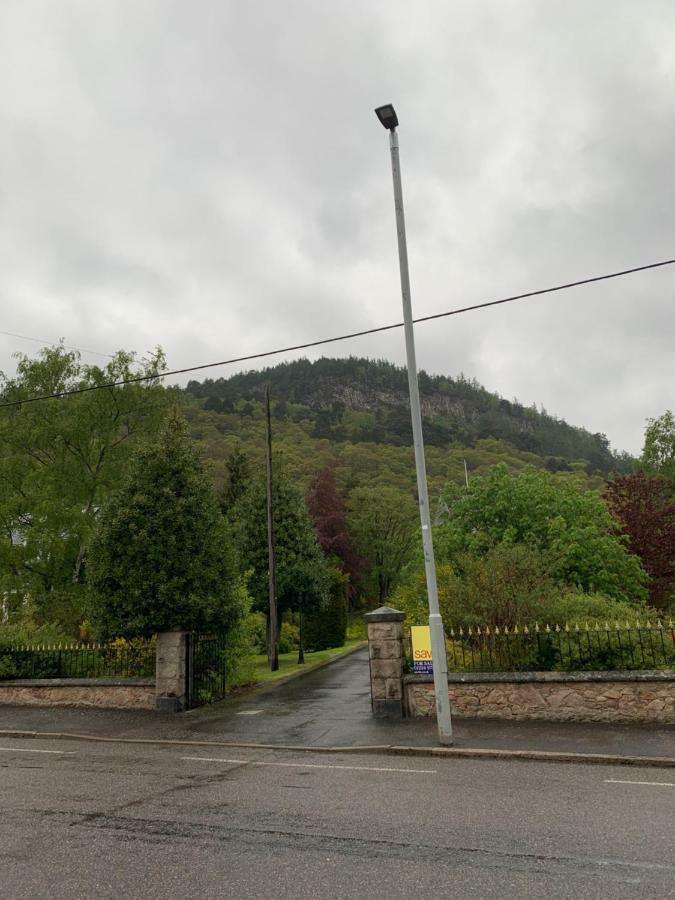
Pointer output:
x,y
365,401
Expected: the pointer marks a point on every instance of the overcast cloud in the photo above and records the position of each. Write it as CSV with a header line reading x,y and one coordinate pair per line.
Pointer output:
x,y
210,177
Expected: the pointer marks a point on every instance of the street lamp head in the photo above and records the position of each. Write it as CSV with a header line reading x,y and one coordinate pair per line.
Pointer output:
x,y
387,116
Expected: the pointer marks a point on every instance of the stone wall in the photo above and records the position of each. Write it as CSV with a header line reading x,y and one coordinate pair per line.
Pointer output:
x,y
646,697
82,692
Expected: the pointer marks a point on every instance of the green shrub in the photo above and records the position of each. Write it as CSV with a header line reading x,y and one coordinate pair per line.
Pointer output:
x,y
22,634
241,645
577,608
289,637
509,585
356,628
255,630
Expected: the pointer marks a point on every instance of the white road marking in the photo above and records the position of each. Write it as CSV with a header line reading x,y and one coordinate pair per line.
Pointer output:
x,y
249,712
251,762
651,783
27,750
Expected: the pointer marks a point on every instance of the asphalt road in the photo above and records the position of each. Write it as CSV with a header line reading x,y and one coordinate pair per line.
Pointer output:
x,y
125,821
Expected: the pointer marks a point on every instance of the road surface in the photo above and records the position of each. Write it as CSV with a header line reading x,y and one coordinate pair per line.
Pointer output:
x,y
82,820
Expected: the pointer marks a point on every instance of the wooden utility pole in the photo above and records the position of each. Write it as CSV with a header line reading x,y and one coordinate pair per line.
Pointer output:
x,y
273,636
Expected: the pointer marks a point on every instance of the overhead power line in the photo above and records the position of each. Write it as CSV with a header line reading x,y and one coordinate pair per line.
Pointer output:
x,y
25,337
342,337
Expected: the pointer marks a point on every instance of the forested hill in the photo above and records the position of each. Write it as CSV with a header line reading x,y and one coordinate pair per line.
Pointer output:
x,y
362,400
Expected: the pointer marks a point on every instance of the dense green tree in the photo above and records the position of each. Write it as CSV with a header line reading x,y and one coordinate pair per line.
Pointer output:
x,y
509,584
59,460
571,527
163,557
384,523
658,454
238,478
327,626
301,568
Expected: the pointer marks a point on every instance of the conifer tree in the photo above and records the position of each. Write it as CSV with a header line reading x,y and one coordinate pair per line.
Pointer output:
x,y
162,557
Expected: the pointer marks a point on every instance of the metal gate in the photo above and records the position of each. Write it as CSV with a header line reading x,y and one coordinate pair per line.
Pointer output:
x,y
206,669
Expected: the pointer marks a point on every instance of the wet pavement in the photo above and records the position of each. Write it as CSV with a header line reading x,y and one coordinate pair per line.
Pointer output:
x,y
330,707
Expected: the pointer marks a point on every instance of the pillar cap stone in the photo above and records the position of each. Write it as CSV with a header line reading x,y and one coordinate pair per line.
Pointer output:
x,y
384,614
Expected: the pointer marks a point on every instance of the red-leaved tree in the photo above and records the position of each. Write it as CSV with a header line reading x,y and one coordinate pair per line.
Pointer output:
x,y
642,507
329,513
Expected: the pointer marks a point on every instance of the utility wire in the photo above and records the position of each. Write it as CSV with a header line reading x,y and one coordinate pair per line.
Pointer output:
x,y
25,337
341,337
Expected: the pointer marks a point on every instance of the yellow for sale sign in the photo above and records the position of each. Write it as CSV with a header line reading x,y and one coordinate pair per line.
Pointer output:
x,y
421,649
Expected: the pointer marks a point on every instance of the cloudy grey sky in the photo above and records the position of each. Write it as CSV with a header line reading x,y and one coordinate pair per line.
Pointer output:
x,y
210,177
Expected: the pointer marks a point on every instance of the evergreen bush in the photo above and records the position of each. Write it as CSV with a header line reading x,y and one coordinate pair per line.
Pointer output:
x,y
162,557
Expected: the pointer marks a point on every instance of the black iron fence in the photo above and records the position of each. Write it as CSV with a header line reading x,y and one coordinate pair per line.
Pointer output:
x,y
563,648
117,660
206,670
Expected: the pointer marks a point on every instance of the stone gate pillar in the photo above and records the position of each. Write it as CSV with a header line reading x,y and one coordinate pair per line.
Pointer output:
x,y
386,655
171,671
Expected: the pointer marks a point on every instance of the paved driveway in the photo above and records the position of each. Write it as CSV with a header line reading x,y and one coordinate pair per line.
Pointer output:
x,y
326,708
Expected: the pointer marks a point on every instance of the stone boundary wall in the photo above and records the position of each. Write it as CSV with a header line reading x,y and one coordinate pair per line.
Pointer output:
x,y
167,692
643,697
99,693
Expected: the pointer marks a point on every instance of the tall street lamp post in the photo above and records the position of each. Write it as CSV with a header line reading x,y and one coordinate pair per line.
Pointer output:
x,y
388,118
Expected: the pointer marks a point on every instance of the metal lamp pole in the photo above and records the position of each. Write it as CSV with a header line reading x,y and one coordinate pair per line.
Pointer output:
x,y
388,118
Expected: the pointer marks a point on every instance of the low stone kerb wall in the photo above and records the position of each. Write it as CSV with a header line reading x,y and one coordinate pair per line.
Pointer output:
x,y
645,697
102,693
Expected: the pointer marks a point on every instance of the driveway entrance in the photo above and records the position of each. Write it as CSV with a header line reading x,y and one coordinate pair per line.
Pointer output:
x,y
324,708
